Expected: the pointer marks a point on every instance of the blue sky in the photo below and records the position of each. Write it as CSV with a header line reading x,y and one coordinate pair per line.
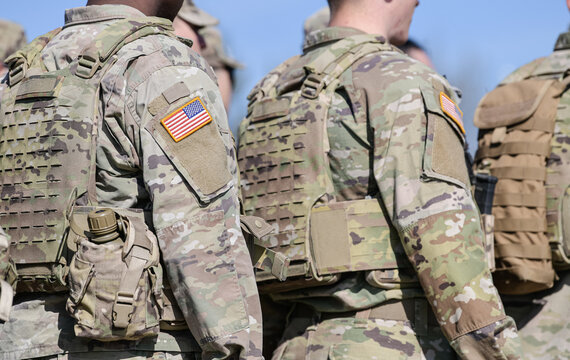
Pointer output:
x,y
474,43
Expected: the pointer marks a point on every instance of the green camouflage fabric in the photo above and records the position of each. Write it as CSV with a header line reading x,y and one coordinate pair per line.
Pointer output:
x,y
191,201
390,140
543,317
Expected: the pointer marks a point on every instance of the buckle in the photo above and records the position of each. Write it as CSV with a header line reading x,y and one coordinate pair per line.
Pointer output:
x,y
17,71
87,66
123,310
312,86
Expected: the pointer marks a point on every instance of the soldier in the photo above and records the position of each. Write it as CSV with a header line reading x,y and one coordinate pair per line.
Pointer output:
x,y
524,141
199,26
189,20
115,142
354,153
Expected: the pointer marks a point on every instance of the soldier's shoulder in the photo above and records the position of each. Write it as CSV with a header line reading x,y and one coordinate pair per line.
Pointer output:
x,y
152,53
395,73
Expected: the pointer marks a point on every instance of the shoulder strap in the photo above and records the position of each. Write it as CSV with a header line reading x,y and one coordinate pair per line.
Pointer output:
x,y
109,41
23,59
332,63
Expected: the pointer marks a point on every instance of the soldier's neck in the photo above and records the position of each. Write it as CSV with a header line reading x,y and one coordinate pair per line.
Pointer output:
x,y
357,21
149,8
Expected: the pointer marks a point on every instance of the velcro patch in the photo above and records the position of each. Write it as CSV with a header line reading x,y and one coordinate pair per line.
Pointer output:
x,y
452,110
186,119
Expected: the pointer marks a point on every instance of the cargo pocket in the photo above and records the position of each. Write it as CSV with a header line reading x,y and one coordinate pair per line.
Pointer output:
x,y
444,157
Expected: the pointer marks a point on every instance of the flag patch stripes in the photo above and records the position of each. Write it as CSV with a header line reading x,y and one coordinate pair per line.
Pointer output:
x,y
452,110
187,119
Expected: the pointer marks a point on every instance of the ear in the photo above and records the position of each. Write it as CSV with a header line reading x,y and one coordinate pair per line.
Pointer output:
x,y
568,4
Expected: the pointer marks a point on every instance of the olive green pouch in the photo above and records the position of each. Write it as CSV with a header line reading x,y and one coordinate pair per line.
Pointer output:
x,y
115,286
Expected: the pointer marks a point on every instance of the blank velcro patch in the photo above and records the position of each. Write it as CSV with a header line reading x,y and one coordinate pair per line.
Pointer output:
x,y
452,110
186,119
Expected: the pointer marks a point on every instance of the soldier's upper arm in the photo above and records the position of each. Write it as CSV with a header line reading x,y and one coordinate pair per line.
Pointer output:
x,y
187,120
444,157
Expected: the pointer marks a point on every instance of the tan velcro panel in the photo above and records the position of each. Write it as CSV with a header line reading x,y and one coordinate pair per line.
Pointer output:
x,y
353,236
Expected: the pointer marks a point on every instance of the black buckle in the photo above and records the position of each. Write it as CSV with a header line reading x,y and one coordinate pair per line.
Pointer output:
x,y
312,86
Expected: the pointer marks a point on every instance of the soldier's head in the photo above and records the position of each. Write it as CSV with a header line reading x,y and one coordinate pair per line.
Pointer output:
x,y
188,22
162,8
12,37
391,18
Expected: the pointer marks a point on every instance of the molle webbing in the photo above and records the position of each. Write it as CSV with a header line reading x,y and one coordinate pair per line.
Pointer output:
x,y
517,124
285,172
47,150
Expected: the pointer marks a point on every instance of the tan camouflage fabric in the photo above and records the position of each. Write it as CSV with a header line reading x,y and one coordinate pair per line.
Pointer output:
x,y
543,318
196,16
190,196
317,21
390,140
12,37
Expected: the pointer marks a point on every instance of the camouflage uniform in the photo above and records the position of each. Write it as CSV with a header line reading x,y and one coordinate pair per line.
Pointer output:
x,y
390,140
202,247
543,317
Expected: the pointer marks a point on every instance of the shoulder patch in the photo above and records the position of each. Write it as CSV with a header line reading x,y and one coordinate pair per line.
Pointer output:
x,y
187,119
450,108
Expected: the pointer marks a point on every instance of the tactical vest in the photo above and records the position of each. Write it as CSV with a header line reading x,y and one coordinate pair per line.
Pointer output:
x,y
286,179
49,125
531,205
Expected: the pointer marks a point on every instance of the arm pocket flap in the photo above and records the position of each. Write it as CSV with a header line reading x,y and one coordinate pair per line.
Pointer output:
x,y
511,103
441,104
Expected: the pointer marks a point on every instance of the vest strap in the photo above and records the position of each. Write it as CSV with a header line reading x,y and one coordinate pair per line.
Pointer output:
x,y
519,173
513,148
527,251
113,38
514,225
520,199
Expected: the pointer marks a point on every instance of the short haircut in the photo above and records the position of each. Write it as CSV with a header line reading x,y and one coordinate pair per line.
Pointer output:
x,y
334,4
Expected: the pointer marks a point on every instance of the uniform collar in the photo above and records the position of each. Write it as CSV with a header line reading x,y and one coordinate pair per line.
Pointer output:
x,y
563,42
98,13
320,37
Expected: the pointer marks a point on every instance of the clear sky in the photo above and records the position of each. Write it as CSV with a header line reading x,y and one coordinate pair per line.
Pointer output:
x,y
474,43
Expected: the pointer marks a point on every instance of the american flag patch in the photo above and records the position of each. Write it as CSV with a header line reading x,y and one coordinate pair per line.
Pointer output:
x,y
186,119
452,110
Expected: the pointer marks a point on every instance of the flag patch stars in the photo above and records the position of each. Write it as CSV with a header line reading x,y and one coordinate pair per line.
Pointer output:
x,y
452,110
187,119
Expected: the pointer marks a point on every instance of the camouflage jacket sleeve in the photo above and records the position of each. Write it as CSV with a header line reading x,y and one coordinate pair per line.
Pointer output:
x,y
422,178
192,188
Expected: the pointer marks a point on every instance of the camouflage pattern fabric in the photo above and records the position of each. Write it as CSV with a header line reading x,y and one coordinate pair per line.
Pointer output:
x,y
193,210
317,21
393,142
196,16
543,317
